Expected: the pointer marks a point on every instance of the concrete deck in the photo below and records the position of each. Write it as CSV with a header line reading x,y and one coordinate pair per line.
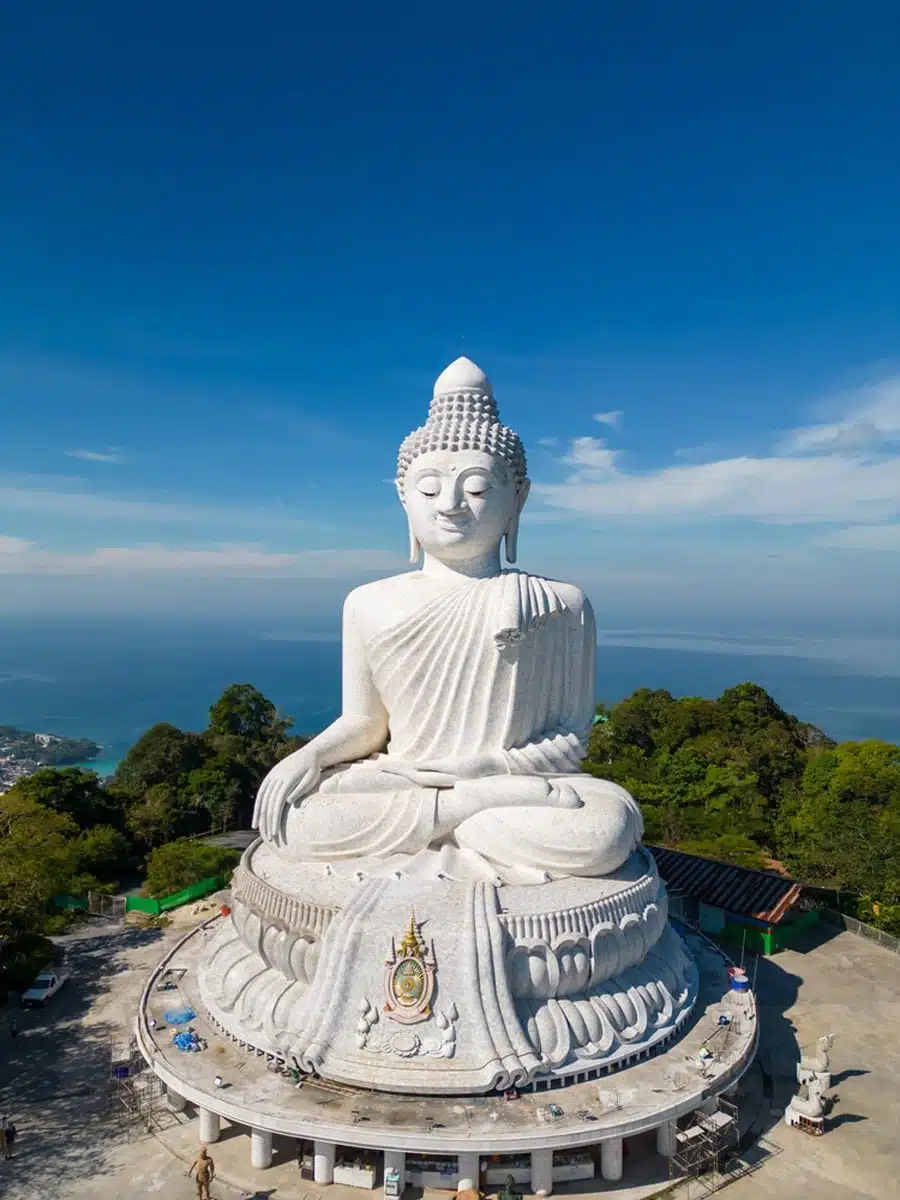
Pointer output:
x,y
631,1101
53,1084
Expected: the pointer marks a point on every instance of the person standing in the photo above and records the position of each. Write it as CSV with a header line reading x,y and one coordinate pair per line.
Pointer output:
x,y
206,1173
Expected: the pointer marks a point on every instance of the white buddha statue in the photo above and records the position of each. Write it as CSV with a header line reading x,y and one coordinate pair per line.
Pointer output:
x,y
447,801
468,690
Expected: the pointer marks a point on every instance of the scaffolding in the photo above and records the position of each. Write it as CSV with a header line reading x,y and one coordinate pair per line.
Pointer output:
x,y
136,1095
704,1145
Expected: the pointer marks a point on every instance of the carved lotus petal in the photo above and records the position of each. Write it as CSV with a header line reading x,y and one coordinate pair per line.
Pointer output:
x,y
533,970
607,1037
606,951
577,1026
302,958
592,1021
556,1040
573,956
635,947
252,932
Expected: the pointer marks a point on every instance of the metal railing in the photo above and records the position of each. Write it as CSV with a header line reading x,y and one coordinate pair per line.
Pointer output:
x,y
831,917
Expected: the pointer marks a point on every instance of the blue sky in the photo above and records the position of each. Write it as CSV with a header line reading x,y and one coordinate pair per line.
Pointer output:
x,y
238,244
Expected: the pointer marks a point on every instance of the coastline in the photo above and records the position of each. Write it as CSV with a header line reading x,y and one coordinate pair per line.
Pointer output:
x,y
103,766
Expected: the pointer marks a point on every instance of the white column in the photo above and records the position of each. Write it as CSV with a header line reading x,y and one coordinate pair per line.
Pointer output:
x,y
174,1101
665,1138
260,1148
467,1170
541,1172
323,1162
395,1160
209,1126
611,1158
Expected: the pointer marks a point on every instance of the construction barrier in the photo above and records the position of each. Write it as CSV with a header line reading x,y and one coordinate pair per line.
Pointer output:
x,y
70,902
103,905
196,891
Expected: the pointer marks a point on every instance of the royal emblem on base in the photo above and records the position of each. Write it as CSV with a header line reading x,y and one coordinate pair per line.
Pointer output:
x,y
409,978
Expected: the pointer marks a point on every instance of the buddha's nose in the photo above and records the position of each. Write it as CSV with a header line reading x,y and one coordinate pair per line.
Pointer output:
x,y
450,504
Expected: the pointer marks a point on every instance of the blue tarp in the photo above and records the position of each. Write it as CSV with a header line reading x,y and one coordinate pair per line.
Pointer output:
x,y
179,1016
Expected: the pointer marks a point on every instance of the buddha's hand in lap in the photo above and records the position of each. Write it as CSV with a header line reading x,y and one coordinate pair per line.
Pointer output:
x,y
447,772
286,784
519,791
461,798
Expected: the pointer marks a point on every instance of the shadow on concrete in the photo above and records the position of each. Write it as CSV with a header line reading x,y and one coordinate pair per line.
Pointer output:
x,y
777,990
811,939
56,1085
844,1119
850,1073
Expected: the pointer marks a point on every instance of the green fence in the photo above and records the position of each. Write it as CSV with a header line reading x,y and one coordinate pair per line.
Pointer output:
x,y
196,891
78,902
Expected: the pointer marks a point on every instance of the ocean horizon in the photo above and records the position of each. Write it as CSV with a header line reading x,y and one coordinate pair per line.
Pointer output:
x,y
112,682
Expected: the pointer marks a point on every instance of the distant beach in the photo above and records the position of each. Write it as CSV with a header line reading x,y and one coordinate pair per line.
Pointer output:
x,y
103,766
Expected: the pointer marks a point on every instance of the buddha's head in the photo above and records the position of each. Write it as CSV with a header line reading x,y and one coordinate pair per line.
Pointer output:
x,y
461,476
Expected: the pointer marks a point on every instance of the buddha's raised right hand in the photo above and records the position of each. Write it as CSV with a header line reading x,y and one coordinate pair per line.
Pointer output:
x,y
286,784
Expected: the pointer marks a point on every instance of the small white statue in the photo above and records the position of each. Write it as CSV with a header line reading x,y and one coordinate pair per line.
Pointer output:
x,y
818,1065
811,1105
468,690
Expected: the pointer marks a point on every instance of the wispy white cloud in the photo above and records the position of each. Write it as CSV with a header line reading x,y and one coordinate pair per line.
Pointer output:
x,y
867,420
701,453
65,497
612,418
840,472
113,454
864,537
19,557
548,441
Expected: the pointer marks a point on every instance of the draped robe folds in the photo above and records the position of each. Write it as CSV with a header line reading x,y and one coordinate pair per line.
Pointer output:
x,y
500,665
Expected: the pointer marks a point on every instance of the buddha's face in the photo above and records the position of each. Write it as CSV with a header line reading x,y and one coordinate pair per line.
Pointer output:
x,y
459,503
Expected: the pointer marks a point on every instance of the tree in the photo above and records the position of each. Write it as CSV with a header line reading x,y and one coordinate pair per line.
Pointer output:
x,y
102,852
74,792
733,848
246,731
706,770
216,788
844,831
180,864
35,862
163,813
163,756
244,712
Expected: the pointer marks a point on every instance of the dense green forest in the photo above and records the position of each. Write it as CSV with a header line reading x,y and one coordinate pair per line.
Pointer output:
x,y
67,831
741,780
735,778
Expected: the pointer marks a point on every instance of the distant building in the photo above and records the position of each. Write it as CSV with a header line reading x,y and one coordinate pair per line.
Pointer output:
x,y
742,907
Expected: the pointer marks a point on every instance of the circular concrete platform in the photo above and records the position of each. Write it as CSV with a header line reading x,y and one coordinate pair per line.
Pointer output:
x,y
707,1058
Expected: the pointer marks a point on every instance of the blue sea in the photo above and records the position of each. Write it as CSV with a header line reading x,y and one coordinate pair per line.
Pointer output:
x,y
112,681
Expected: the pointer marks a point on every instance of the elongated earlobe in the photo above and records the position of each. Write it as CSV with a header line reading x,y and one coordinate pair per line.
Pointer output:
x,y
414,548
512,539
512,532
